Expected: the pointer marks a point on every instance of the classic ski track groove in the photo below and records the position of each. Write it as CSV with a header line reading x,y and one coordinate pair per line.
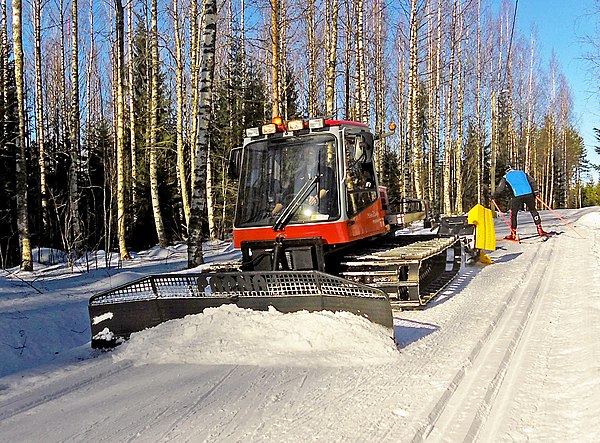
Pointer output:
x,y
498,406
39,395
462,411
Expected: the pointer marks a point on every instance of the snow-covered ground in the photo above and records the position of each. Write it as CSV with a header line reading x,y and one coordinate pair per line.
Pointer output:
x,y
508,352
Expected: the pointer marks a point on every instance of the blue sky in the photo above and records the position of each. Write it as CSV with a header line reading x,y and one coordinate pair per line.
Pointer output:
x,y
561,26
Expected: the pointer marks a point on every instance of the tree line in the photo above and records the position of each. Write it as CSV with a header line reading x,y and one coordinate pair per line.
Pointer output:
x,y
118,118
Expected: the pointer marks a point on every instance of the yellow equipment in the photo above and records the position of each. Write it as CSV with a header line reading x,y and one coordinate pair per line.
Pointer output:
x,y
485,234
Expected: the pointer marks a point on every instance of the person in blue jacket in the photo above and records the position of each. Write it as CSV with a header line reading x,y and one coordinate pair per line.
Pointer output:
x,y
524,189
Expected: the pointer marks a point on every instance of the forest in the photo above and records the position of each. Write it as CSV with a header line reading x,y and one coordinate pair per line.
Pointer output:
x,y
118,118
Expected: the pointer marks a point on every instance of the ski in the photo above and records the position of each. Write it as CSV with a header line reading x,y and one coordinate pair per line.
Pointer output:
x,y
530,239
546,235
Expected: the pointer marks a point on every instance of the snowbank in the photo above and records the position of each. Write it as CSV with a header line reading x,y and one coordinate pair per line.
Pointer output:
x,y
231,335
591,220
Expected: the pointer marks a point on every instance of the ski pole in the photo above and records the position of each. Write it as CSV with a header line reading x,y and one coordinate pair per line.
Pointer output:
x,y
555,213
505,219
500,212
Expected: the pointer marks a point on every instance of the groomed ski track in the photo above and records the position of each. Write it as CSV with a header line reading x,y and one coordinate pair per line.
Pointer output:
x,y
483,385
441,387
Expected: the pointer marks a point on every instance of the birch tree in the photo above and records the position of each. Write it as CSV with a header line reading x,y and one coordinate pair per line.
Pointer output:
x,y
275,59
120,128
447,167
39,113
21,161
331,36
74,133
180,97
195,29
132,113
4,67
207,66
153,139
379,84
414,141
312,58
480,157
362,96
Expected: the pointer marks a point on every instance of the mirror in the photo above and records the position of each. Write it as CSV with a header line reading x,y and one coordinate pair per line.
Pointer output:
x,y
235,161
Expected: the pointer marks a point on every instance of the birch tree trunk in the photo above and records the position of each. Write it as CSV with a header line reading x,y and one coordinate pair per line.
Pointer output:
x,y
494,142
194,72
529,118
74,134
39,114
153,148
479,111
347,62
312,58
275,59
379,87
460,103
495,145
132,114
434,50
402,125
414,141
244,65
120,131
210,211
447,169
179,89
363,108
331,35
198,202
21,161
283,77
4,67
89,93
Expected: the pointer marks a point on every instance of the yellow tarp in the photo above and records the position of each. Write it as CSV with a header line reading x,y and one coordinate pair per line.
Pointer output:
x,y
485,235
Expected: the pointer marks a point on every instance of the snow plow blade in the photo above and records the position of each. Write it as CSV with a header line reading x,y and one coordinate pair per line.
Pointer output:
x,y
117,313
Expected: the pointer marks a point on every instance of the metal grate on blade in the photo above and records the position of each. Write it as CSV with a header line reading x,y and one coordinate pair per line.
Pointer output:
x,y
236,284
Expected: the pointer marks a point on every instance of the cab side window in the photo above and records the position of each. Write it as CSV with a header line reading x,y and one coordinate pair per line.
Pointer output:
x,y
360,174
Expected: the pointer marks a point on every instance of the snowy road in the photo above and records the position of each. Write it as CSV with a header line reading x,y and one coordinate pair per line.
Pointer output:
x,y
508,352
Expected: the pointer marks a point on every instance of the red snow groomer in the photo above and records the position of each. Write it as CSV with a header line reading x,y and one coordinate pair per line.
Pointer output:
x,y
316,232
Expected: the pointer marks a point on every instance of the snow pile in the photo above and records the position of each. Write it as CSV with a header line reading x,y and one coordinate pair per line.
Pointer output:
x,y
231,335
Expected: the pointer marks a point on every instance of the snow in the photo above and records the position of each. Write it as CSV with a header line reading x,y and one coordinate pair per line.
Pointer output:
x,y
507,352
229,335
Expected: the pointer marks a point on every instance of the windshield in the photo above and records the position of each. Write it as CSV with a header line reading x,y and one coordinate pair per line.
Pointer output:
x,y
274,171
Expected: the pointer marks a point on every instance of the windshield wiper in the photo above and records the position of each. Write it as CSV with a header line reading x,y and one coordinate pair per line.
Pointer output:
x,y
287,214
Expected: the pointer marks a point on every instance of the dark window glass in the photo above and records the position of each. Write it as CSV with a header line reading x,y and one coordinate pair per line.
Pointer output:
x,y
275,170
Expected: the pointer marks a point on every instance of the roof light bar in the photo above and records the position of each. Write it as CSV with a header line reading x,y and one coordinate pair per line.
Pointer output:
x,y
271,128
295,125
316,123
252,132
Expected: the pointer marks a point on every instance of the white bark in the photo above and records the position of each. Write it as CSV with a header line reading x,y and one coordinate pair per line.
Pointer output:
x,y
331,23
39,114
120,132
153,148
198,202
21,161
180,94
